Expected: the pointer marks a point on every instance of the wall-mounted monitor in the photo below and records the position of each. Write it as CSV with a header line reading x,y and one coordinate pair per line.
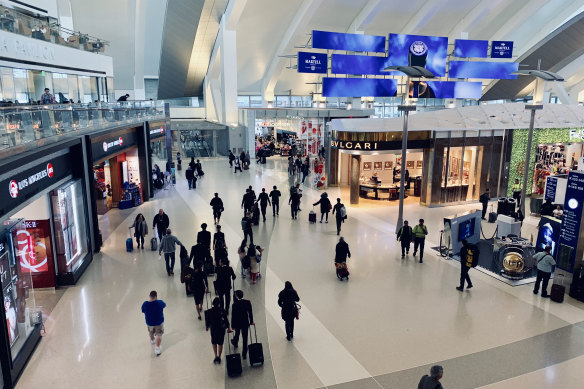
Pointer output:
x,y
467,48
350,42
358,87
466,229
418,50
491,70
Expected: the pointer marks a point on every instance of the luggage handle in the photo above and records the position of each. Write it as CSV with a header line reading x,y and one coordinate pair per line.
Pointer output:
x,y
207,300
561,283
255,332
228,341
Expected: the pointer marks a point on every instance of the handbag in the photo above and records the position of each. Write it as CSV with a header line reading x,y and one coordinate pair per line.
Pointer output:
x,y
297,307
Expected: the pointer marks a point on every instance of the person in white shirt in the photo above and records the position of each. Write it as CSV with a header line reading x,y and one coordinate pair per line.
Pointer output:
x,y
558,212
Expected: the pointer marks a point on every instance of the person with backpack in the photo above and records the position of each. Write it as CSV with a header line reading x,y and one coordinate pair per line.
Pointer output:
x,y
264,201
341,214
325,206
469,258
218,324
275,196
287,300
545,261
223,283
217,206
199,286
405,236
219,238
246,224
420,231
241,319
484,199
432,381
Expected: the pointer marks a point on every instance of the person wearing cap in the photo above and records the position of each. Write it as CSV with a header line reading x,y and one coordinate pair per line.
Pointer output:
x,y
420,231
545,261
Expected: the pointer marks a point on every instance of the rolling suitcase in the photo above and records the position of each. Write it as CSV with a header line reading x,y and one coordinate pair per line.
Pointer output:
x,y
209,268
558,291
130,243
312,216
256,350
233,362
153,244
342,271
207,312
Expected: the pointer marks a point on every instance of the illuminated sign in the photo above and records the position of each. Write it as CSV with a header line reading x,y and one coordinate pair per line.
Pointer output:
x,y
109,145
157,131
502,49
357,145
492,70
14,187
358,87
467,48
348,42
312,62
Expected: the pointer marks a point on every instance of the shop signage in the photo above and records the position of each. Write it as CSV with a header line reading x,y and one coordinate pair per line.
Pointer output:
x,y
22,186
109,145
571,221
312,62
5,277
156,132
356,145
502,49
385,145
551,184
105,147
577,135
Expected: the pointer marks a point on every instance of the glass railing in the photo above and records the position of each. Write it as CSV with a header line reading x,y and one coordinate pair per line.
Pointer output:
x,y
48,30
21,125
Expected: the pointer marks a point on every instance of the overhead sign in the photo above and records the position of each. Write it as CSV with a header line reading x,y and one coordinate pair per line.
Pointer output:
x,y
380,145
571,221
577,135
358,87
466,48
489,70
349,42
502,49
358,64
418,50
112,145
445,89
312,62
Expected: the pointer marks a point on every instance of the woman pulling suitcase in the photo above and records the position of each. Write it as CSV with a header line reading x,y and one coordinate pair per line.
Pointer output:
x,y
341,253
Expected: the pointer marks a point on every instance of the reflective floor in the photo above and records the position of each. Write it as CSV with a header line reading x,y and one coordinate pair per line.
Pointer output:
x,y
383,328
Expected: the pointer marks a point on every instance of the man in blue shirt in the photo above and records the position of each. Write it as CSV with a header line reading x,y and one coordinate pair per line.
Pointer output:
x,y
545,262
153,311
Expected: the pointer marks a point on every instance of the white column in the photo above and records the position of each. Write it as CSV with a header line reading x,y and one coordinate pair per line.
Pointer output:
x,y
228,74
140,33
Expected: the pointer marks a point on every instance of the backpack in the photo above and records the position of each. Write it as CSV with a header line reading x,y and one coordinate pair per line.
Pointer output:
x,y
343,211
244,224
222,320
245,262
472,256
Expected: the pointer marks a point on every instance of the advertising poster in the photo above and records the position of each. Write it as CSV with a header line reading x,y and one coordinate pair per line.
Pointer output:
x,y
348,42
502,49
34,246
571,221
467,48
551,184
312,62
548,234
10,309
418,50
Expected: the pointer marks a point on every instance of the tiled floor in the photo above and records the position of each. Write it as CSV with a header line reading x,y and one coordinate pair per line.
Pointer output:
x,y
382,329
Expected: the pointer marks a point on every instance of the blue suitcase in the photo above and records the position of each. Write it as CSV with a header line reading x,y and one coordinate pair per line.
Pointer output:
x,y
129,245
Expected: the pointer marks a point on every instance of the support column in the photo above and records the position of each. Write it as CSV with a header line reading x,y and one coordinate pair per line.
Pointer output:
x,y
228,75
355,174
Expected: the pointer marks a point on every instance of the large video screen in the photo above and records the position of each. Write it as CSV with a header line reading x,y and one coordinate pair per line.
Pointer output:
x,y
445,89
494,70
358,64
350,42
466,48
466,229
358,87
418,50
548,234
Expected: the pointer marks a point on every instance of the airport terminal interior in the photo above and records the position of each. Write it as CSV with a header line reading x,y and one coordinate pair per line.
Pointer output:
x,y
401,186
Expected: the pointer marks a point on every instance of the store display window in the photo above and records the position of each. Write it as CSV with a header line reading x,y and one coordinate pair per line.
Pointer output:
x,y
70,227
17,286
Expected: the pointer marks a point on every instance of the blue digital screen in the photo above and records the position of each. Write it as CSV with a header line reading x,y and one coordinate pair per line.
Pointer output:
x,y
351,42
418,50
495,70
358,87
502,49
466,229
445,89
358,64
312,62
466,48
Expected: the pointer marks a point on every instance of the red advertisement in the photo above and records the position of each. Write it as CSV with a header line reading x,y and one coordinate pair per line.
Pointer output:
x,y
34,247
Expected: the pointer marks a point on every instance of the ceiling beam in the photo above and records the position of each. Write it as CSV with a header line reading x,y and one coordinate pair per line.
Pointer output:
x,y
420,16
521,16
233,12
480,10
367,12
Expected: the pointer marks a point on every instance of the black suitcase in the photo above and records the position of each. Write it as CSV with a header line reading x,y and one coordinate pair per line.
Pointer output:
x,y
233,362
311,217
209,268
558,291
492,217
154,244
256,350
207,312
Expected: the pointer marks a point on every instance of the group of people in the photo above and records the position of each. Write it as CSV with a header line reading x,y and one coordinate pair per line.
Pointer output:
x,y
193,173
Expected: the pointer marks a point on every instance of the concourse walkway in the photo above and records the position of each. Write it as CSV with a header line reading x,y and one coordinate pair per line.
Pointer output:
x,y
383,328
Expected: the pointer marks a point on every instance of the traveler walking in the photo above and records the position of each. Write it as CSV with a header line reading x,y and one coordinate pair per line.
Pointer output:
x,y
294,202
199,169
218,238
241,319
231,158
217,206
254,268
342,251
325,206
140,229
341,214
237,166
168,245
247,159
154,315
161,223
516,189
200,253
275,196
405,236
264,201
199,286
420,231
545,261
469,256
247,201
484,199
204,236
190,176
223,283
242,252
218,323
287,300
192,164
305,169
246,225
432,381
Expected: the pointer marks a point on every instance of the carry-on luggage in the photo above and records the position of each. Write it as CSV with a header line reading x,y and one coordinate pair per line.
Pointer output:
x,y
207,312
154,244
312,216
342,271
255,219
209,268
256,350
130,243
558,290
233,362
492,216
179,167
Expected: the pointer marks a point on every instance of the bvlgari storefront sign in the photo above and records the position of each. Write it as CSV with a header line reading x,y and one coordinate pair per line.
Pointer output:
x,y
356,145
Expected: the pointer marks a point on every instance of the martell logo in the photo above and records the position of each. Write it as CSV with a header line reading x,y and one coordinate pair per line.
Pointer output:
x,y
13,189
50,170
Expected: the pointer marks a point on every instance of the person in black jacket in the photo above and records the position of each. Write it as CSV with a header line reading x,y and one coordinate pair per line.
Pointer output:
x,y
432,381
199,286
294,202
342,251
161,223
484,199
339,216
218,323
264,201
231,158
405,236
204,236
247,201
217,205
200,253
223,283
241,319
287,300
325,206
547,208
275,196
246,224
190,176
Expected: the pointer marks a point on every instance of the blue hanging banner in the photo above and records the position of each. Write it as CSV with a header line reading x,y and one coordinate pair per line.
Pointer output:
x,y
571,221
490,70
312,62
349,42
466,48
358,87
502,49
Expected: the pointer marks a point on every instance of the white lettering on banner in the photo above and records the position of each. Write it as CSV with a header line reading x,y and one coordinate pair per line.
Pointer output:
x,y
14,187
157,131
354,145
118,142
577,135
34,50
30,224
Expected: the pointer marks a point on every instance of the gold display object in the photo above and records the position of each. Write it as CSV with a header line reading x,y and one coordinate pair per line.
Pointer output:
x,y
513,262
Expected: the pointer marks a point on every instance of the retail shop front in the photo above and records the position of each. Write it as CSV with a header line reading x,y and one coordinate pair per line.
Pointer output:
x,y
441,167
43,242
159,141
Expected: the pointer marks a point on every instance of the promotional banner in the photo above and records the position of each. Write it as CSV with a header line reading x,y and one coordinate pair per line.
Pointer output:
x,y
493,70
551,184
467,48
445,89
358,87
358,64
312,62
502,49
418,50
548,234
571,221
350,42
